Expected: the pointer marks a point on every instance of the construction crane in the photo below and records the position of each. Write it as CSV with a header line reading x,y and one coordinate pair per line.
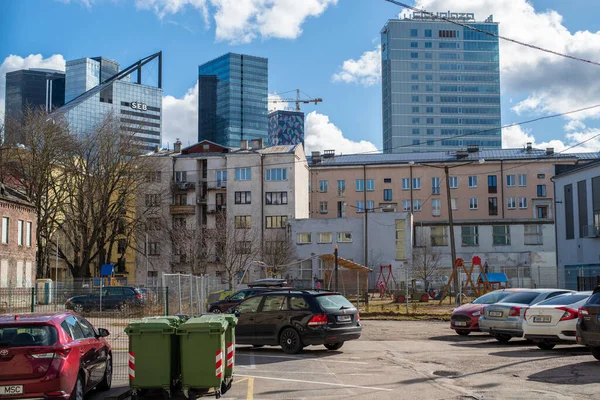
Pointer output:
x,y
297,100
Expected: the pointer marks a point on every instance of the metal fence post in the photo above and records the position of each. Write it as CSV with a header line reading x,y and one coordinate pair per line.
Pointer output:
x,y
33,299
191,295
166,300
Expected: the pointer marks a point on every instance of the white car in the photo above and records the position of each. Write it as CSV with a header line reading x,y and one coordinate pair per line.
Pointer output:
x,y
554,321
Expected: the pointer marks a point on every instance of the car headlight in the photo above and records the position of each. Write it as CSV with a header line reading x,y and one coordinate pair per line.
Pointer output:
x,y
476,314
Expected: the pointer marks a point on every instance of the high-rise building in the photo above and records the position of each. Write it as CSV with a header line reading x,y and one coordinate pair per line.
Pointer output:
x,y
440,84
31,88
96,88
286,127
232,99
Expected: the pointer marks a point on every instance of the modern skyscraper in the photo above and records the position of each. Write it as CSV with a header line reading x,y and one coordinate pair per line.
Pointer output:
x,y
138,107
232,99
440,81
286,127
31,88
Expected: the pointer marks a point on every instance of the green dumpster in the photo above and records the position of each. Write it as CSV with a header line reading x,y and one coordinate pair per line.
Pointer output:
x,y
229,346
153,351
202,354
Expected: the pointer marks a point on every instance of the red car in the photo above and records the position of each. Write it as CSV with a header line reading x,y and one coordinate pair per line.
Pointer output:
x,y
52,356
465,319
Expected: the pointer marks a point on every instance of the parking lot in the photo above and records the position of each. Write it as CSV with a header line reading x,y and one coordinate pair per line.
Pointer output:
x,y
417,360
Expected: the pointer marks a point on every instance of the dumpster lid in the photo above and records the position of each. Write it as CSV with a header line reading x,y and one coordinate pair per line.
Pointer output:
x,y
204,323
153,324
231,318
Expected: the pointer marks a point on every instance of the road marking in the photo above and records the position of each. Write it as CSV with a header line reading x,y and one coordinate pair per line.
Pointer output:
x,y
252,362
250,392
316,382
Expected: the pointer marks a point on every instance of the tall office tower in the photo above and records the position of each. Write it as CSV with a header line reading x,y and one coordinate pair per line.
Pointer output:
x,y
96,88
286,127
232,99
31,88
440,84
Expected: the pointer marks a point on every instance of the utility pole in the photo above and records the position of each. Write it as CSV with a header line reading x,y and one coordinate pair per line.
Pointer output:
x,y
451,223
335,253
366,211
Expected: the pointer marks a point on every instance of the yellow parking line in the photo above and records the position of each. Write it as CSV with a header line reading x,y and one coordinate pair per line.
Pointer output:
x,y
236,381
250,392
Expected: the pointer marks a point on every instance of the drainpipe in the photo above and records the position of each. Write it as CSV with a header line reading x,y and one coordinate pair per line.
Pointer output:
x,y
555,234
262,206
366,216
502,186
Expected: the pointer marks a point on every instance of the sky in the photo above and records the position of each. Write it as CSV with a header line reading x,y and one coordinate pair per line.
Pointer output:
x,y
326,48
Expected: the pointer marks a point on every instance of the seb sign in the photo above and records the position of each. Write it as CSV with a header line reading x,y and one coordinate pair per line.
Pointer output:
x,y
139,106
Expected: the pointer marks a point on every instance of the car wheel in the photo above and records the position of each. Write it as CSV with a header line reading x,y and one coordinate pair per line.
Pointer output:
x,y
106,382
78,308
545,346
334,346
290,341
502,338
124,307
78,389
463,333
596,352
216,310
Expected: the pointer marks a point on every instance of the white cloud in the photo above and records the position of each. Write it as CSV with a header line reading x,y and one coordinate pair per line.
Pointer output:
x,y
276,103
515,137
242,21
365,71
14,63
321,134
180,118
573,125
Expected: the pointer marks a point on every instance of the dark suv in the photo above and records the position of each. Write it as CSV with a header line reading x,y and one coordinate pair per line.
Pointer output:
x,y
294,319
588,325
256,287
121,298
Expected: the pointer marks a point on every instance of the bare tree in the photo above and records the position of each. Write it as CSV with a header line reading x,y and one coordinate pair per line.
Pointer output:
x,y
280,252
426,261
189,244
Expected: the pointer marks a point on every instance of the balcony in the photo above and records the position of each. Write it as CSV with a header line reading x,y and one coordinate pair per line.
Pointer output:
x,y
182,209
202,199
216,208
591,231
217,185
184,186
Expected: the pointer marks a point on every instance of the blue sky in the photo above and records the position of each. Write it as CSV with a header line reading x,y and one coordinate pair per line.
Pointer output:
x,y
307,51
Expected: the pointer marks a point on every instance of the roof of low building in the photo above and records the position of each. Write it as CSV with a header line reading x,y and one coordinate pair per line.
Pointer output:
x,y
13,195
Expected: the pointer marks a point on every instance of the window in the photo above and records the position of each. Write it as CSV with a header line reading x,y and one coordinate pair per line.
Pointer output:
x,y
429,99
473,203
323,186
523,180
243,174
243,247
400,239
154,248
152,200
344,237
121,246
453,180
415,99
360,206
470,235
416,131
428,45
276,174
250,305
417,205
430,143
429,88
448,34
454,204
153,224
405,205
370,185
324,237
473,181
414,66
370,205
243,222
360,185
414,33
541,176
405,184
522,202
323,207
20,232
180,176
221,178
511,203
427,32
510,180
414,55
28,235
492,206
542,212
341,209
387,180
415,77
387,194
429,110
5,230
297,303
341,188
414,44
533,235
304,238
435,207
414,88
430,131
435,185
273,303
501,235
416,183
180,199
275,198
153,176
492,184
439,236
243,197
416,142
416,120
73,328
429,120
541,190
276,221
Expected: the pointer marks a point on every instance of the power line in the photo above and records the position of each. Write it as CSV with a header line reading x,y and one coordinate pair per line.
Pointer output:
x,y
531,46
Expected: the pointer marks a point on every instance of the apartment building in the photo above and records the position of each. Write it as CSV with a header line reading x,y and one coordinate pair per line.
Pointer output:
x,y
17,240
502,201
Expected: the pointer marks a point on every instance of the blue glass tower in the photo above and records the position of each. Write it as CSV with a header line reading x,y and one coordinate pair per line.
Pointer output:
x,y
440,80
232,99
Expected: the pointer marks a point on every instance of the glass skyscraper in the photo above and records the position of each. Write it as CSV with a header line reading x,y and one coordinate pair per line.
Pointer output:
x,y
440,84
232,99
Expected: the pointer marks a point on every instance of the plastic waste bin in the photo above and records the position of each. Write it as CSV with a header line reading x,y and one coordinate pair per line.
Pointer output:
x,y
202,355
229,347
153,353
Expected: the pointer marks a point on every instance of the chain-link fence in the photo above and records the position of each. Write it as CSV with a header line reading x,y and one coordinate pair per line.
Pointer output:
x,y
191,294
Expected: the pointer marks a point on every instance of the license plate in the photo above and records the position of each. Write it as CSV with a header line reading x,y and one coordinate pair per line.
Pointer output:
x,y
460,324
10,390
542,319
344,318
495,313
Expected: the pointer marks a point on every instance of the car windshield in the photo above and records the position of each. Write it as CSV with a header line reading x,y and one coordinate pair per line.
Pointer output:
x,y
595,299
564,300
520,298
334,302
27,335
492,298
